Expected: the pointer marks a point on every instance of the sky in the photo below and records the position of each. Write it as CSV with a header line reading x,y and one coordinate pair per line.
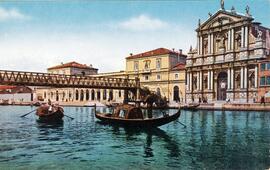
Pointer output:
x,y
35,35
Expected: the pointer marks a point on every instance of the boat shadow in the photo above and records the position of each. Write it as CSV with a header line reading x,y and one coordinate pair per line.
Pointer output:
x,y
51,125
153,134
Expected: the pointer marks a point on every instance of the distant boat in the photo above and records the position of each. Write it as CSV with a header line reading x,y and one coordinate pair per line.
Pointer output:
x,y
129,115
50,114
5,102
191,106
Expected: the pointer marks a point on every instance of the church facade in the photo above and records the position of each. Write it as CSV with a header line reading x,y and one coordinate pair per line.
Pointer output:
x,y
224,66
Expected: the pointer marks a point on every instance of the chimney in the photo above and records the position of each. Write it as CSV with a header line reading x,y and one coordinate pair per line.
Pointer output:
x,y
180,51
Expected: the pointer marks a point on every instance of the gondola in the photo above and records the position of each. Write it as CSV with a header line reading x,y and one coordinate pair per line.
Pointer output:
x,y
191,106
47,115
129,115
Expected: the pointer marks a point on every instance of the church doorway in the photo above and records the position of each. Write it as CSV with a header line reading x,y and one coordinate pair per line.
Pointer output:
x,y
222,86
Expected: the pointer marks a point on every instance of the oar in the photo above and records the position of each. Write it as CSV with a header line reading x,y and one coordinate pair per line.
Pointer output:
x,y
28,113
69,117
182,124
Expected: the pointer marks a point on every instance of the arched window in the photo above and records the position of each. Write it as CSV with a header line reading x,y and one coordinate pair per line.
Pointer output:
x,y
87,94
104,94
92,94
176,97
64,95
82,95
119,93
98,95
57,96
111,95
77,95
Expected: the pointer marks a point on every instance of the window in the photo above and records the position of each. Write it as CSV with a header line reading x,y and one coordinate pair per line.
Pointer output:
x,y
263,65
262,82
147,65
158,77
268,80
136,65
176,76
145,77
268,66
158,63
119,93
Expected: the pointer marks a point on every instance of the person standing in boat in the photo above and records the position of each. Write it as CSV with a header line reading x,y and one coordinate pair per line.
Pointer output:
x,y
50,106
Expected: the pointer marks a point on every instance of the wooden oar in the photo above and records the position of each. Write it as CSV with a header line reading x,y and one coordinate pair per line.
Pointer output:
x,y
28,113
69,117
182,124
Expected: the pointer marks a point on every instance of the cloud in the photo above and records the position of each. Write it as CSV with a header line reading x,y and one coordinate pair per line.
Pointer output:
x,y
11,14
143,23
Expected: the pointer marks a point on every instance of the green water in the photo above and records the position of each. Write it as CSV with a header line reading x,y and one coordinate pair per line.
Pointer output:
x,y
212,140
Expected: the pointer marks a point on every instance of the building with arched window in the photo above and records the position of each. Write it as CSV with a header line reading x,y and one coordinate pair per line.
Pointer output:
x,y
224,66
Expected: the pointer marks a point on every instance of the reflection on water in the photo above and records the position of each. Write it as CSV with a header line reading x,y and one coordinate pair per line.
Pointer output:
x,y
212,140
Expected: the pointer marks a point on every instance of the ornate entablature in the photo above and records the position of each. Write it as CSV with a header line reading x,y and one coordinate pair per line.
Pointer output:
x,y
228,36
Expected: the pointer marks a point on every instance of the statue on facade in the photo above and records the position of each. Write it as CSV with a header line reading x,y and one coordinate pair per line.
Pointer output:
x,y
209,14
247,11
259,33
190,49
222,4
199,23
233,10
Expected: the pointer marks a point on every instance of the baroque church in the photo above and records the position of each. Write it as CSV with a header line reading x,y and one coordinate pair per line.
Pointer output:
x,y
224,66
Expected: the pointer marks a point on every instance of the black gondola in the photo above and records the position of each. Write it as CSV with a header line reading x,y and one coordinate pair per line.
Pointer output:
x,y
129,115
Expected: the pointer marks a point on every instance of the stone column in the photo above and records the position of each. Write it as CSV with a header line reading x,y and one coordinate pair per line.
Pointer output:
x,y
198,80
212,43
208,80
198,45
232,39
246,36
209,43
232,78
229,78
188,81
212,80
229,40
241,78
201,45
242,36
201,78
256,76
245,77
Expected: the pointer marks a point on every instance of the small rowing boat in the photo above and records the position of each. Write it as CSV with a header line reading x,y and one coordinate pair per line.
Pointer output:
x,y
48,113
129,115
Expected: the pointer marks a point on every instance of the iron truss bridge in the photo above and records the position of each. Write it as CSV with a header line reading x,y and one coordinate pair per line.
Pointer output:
x,y
21,78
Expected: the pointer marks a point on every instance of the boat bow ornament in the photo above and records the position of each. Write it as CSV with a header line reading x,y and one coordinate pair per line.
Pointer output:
x,y
60,80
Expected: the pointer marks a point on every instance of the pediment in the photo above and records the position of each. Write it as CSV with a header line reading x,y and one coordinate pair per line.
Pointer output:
x,y
222,17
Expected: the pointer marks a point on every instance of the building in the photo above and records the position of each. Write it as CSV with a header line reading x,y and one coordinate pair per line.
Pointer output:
x,y
161,70
15,94
224,66
264,79
77,96
73,68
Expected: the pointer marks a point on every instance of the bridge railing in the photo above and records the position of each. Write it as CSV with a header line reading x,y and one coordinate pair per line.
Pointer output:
x,y
60,80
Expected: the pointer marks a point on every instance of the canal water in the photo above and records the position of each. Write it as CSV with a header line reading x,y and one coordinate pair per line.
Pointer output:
x,y
211,140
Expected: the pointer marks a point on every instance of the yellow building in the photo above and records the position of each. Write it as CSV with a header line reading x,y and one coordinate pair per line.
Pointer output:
x,y
161,70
